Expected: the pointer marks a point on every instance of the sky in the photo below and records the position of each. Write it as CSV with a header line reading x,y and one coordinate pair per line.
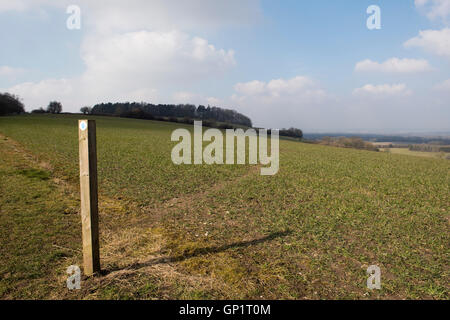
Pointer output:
x,y
313,65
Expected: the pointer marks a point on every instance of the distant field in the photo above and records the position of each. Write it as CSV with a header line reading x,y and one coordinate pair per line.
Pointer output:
x,y
406,151
224,232
381,144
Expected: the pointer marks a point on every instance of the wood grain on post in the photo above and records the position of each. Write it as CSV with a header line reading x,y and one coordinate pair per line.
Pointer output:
x,y
88,195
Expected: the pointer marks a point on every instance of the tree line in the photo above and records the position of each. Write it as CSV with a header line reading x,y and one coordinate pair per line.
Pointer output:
x,y
292,133
214,117
150,111
10,104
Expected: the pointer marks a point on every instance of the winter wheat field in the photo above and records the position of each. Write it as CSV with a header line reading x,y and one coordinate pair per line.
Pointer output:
x,y
218,231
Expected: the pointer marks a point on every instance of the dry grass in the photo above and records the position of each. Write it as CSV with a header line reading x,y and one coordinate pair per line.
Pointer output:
x,y
406,151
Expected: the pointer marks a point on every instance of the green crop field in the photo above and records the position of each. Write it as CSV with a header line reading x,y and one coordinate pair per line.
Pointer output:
x,y
219,231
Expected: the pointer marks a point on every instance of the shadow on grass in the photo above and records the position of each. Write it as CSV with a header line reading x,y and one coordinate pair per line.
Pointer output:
x,y
200,251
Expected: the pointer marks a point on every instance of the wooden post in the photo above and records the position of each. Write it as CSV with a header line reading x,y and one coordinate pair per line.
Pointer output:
x,y
88,194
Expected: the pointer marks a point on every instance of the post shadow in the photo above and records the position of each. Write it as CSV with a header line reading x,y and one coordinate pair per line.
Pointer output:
x,y
202,251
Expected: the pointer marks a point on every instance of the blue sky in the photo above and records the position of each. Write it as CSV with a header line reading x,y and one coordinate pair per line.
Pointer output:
x,y
308,64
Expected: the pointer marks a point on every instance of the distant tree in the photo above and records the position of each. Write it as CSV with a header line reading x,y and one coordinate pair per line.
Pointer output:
x,y
54,107
40,110
86,110
292,132
10,104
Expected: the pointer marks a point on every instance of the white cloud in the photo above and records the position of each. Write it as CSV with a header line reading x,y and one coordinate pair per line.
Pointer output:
x,y
251,88
382,90
153,58
36,95
443,86
282,102
134,50
8,5
195,98
275,87
213,101
75,93
371,108
7,71
435,9
22,5
290,86
433,41
394,65
131,66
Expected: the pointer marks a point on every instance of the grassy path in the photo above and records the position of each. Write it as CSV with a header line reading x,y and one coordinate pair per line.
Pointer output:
x,y
38,226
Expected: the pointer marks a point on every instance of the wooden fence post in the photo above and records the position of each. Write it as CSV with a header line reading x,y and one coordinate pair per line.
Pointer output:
x,y
88,194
